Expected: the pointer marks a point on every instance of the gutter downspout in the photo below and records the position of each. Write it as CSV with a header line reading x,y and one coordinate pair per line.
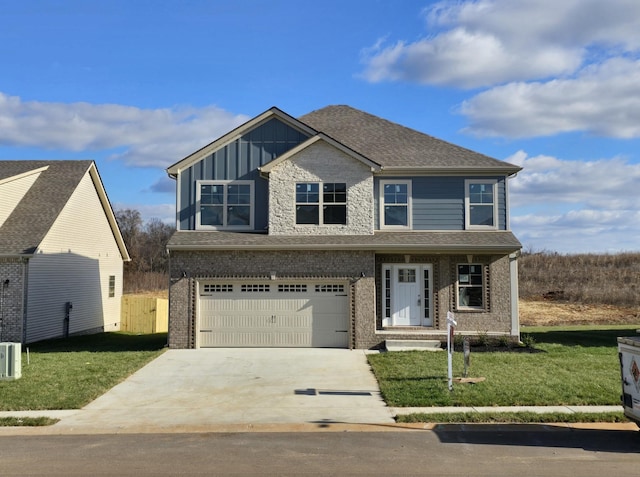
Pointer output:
x,y
515,310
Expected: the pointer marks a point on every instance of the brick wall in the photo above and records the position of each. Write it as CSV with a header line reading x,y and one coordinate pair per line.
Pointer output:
x,y
11,299
366,326
188,267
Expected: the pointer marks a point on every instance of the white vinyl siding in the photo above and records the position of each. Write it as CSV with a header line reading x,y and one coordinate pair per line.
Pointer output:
x,y
73,264
12,191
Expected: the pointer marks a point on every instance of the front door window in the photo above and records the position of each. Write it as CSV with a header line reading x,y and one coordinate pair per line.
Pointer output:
x,y
406,297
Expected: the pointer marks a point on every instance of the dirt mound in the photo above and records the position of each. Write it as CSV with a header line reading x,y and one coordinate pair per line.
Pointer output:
x,y
547,313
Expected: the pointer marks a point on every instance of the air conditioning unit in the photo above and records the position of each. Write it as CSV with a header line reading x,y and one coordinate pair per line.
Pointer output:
x,y
10,361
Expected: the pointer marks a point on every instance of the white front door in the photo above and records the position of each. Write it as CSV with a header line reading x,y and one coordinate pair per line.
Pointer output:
x,y
407,295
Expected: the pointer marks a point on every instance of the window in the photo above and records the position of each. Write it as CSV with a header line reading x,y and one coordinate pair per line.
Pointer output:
x,y
329,288
470,286
112,286
332,202
481,204
286,288
395,204
225,204
223,288
406,275
257,288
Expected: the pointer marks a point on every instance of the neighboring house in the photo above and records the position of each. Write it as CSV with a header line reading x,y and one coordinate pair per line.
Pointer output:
x,y
339,229
61,253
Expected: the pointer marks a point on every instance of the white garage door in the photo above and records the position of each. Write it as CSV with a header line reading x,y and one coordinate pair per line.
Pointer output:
x,y
260,314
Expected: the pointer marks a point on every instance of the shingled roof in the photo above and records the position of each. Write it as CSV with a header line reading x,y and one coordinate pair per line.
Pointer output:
x,y
32,218
394,146
498,241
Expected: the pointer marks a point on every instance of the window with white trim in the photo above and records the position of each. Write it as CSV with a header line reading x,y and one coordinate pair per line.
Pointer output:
x,y
224,205
328,197
112,286
481,205
470,286
395,204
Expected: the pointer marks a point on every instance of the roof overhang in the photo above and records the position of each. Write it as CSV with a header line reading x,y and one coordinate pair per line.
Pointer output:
x,y
477,242
432,171
108,211
266,169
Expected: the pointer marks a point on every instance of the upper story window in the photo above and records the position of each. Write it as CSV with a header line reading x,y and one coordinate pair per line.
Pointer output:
x,y
321,203
470,287
224,205
481,205
395,204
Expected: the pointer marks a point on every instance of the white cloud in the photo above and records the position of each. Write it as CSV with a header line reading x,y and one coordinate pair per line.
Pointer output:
x,y
602,99
147,137
487,42
165,212
576,206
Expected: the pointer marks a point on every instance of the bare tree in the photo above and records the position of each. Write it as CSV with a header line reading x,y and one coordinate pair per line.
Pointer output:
x,y
156,235
146,242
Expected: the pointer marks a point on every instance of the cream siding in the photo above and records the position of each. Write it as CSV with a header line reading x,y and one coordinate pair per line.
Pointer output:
x,y
12,191
73,264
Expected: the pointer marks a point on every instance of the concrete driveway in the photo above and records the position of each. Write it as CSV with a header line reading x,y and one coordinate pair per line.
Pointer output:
x,y
205,387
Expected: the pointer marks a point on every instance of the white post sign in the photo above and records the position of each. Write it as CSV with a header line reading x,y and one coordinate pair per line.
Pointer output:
x,y
451,324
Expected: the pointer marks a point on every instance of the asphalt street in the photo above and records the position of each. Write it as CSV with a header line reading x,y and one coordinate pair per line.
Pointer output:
x,y
446,450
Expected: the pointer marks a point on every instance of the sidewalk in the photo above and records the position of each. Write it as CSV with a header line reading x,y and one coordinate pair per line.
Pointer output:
x,y
395,411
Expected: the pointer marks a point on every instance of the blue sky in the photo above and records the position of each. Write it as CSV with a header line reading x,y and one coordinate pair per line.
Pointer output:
x,y
137,85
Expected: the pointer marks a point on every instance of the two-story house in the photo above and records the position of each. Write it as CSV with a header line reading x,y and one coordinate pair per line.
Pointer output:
x,y
339,229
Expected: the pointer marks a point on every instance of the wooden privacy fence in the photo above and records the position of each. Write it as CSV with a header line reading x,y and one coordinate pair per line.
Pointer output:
x,y
141,314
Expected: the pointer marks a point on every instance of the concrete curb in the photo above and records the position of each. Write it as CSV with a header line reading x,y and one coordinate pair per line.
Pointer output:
x,y
317,427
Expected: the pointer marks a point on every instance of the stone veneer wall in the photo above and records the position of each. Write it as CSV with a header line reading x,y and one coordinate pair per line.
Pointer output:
x,y
188,267
495,319
12,299
321,162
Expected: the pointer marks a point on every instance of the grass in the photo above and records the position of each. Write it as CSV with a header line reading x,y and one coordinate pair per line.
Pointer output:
x,y
513,417
566,366
27,421
70,373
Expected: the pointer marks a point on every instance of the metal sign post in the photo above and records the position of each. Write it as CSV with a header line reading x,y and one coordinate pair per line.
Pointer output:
x,y
467,354
451,323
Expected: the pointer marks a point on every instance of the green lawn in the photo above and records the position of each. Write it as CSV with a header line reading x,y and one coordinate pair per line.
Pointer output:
x,y
70,373
512,417
567,366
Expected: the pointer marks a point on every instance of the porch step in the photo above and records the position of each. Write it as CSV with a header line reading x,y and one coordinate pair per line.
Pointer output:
x,y
411,345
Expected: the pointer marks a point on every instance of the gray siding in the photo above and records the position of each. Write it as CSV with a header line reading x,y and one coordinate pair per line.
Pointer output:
x,y
238,160
438,202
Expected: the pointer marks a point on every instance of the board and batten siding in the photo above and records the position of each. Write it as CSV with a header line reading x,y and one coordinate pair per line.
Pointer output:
x,y
73,264
238,160
438,201
13,190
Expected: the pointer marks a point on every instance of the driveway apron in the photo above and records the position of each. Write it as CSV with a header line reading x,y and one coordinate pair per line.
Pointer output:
x,y
196,388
